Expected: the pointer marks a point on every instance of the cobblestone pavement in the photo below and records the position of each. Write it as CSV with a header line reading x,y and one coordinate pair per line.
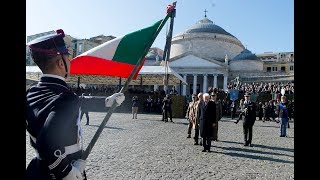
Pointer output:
x,y
148,148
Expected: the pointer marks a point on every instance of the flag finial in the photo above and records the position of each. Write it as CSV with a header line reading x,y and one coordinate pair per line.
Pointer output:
x,y
171,7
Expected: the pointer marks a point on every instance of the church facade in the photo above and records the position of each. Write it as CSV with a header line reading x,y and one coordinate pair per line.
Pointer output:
x,y
206,55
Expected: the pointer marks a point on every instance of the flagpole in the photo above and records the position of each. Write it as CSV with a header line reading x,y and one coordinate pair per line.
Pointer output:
x,y
94,139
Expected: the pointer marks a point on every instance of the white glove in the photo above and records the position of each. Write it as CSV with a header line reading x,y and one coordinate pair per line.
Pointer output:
x,y
119,97
74,174
80,164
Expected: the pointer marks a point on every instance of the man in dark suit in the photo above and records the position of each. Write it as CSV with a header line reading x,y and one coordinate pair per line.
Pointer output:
x,y
218,110
208,121
249,119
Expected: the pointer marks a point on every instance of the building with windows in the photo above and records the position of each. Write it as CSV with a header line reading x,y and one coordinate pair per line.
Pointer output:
x,y
205,55
75,46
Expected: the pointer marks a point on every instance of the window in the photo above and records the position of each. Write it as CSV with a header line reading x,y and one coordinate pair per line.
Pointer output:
x,y
283,69
268,69
80,47
291,68
89,46
274,68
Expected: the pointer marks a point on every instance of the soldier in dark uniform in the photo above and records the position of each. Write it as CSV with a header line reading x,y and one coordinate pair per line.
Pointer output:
x,y
53,114
166,108
84,110
249,119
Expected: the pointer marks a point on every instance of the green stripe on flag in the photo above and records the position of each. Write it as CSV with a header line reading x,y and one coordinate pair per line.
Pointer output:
x,y
132,45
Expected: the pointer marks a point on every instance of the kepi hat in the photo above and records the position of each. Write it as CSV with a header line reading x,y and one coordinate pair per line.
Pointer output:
x,y
49,44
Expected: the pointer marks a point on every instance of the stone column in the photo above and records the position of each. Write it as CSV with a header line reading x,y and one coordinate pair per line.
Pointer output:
x,y
205,83
176,87
225,82
184,88
155,87
215,81
194,84
165,88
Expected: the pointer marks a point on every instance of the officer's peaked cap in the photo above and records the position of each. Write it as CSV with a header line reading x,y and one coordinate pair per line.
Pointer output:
x,y
49,44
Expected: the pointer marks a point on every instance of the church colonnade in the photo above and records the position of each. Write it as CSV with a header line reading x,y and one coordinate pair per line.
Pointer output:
x,y
200,83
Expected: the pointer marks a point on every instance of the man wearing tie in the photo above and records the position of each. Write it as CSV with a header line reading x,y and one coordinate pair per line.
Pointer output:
x,y
207,121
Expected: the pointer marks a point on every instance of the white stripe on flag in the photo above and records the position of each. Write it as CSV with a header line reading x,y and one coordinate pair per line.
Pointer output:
x,y
100,51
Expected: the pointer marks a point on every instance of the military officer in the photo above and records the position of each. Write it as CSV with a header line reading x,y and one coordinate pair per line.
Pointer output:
x,y
53,114
167,108
249,119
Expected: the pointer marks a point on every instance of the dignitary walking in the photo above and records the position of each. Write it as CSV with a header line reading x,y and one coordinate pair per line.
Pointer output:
x,y
199,110
191,114
207,122
213,97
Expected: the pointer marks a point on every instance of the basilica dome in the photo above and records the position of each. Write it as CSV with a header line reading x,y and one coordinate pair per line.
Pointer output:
x,y
206,26
246,61
245,55
207,40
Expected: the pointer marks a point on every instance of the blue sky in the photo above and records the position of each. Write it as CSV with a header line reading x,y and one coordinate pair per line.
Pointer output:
x,y
261,25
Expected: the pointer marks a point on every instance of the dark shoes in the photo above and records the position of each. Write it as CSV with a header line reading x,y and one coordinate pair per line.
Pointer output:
x,y
87,124
247,144
236,122
206,150
189,136
196,143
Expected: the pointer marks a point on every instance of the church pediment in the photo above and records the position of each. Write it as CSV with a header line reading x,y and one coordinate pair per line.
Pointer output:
x,y
193,61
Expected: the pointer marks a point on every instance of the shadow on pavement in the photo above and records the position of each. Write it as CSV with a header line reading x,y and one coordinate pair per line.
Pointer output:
x,y
235,154
251,150
263,146
108,127
269,126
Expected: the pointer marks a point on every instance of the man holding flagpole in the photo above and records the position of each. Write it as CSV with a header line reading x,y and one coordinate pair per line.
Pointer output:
x,y
53,111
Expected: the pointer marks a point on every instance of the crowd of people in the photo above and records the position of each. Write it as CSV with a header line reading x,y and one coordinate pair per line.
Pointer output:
x,y
263,87
203,118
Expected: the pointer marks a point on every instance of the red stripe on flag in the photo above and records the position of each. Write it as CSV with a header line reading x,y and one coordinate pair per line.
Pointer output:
x,y
90,65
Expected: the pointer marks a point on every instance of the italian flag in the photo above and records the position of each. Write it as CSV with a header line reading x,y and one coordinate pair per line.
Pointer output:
x,y
118,56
